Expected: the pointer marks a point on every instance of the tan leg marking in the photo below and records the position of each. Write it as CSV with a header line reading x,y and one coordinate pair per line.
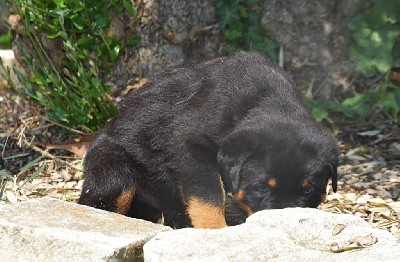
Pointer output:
x,y
240,195
124,200
205,215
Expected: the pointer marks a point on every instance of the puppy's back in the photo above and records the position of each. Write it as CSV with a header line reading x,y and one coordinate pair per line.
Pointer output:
x,y
223,89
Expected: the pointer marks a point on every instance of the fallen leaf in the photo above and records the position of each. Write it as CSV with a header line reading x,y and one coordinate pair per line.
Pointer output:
x,y
78,149
11,197
364,241
395,206
78,146
377,201
335,248
370,133
337,229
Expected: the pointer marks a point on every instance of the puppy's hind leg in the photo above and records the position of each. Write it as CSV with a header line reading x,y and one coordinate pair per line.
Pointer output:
x,y
110,177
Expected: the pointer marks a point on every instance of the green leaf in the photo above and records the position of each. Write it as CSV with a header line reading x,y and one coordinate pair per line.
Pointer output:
x,y
100,22
77,9
129,7
134,41
243,11
6,40
375,32
78,22
115,52
234,31
227,12
59,3
319,113
85,42
37,80
112,2
96,82
361,104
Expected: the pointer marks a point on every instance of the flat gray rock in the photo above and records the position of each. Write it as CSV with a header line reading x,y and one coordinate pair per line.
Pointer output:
x,y
47,229
293,234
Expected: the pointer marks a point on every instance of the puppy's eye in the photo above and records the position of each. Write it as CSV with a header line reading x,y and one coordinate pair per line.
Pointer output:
x,y
308,190
306,185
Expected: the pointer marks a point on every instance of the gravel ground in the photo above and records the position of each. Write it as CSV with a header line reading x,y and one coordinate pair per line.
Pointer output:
x,y
369,182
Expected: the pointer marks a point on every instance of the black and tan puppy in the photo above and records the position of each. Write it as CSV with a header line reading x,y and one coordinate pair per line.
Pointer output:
x,y
231,126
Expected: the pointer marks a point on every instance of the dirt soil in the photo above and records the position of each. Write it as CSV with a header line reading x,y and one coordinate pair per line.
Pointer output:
x,y
369,182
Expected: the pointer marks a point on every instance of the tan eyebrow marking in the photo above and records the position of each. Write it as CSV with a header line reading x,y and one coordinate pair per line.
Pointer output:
x,y
305,183
271,182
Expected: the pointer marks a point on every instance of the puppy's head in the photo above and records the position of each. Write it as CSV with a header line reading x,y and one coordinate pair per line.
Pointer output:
x,y
284,166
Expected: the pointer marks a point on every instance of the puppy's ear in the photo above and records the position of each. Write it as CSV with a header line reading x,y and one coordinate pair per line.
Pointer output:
x,y
233,153
334,176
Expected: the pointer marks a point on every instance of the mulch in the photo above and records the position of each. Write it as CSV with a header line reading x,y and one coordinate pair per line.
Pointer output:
x,y
369,182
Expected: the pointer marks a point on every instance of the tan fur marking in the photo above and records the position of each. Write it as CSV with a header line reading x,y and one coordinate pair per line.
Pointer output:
x,y
204,215
246,208
240,195
124,201
271,182
305,183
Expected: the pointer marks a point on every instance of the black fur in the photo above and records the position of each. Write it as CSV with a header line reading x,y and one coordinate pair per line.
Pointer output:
x,y
239,119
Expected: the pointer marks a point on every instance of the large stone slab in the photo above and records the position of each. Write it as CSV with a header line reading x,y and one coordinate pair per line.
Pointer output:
x,y
293,234
47,229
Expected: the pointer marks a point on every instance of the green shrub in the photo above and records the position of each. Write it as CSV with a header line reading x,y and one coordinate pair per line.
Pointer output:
x,y
6,40
376,49
240,22
375,31
74,89
365,108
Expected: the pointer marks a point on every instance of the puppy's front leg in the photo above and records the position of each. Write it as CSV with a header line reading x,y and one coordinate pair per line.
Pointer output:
x,y
206,215
204,196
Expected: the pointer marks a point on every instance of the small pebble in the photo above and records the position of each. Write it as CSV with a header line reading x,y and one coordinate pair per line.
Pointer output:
x,y
359,214
347,177
351,197
334,196
36,181
395,192
60,184
71,184
361,200
79,185
353,180
390,175
384,194
372,191
377,176
359,185
78,175
55,176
